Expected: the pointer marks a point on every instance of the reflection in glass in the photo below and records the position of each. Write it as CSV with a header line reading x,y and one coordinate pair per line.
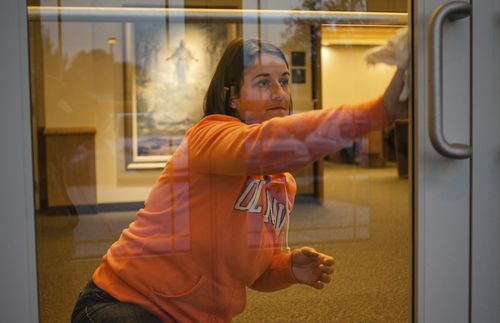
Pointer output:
x,y
113,100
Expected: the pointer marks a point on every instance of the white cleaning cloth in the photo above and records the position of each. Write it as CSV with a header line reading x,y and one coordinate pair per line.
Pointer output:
x,y
395,52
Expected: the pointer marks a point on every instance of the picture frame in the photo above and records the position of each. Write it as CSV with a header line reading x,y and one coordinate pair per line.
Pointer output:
x,y
298,58
298,75
168,67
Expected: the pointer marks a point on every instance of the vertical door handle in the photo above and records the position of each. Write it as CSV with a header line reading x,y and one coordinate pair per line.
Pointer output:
x,y
451,11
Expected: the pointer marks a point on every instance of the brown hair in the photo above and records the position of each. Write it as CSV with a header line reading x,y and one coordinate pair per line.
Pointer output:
x,y
237,56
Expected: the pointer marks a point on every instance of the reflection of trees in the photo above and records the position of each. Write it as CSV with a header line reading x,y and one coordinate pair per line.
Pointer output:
x,y
299,34
84,80
53,59
80,90
215,45
147,50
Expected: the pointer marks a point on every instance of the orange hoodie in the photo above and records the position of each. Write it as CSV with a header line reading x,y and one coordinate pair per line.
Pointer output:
x,y
216,218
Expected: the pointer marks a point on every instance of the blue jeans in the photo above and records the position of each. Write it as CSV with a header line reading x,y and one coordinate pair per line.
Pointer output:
x,y
96,306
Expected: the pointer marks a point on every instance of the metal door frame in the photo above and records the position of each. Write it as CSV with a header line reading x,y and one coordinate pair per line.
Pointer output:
x,y
485,222
441,196
441,294
18,283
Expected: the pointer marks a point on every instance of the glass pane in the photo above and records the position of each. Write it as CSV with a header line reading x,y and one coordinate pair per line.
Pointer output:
x,y
183,169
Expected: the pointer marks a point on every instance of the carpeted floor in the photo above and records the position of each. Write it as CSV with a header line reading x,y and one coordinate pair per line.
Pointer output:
x,y
364,223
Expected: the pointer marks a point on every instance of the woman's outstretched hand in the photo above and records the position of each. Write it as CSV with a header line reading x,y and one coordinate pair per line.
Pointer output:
x,y
394,108
311,267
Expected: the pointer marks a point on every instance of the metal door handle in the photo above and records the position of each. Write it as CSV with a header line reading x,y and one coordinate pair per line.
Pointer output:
x,y
451,11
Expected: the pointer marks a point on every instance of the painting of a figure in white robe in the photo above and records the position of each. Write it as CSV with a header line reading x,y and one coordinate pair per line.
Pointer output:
x,y
172,68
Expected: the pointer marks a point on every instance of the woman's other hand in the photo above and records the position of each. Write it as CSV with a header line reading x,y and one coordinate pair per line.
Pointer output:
x,y
394,108
311,267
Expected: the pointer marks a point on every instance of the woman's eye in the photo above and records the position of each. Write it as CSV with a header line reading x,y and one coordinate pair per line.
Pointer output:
x,y
263,84
284,83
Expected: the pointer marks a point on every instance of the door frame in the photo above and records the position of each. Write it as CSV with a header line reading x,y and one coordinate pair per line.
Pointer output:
x,y
442,252
441,186
19,293
485,222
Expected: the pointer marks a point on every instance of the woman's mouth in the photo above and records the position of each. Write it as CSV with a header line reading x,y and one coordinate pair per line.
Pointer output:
x,y
277,112
277,109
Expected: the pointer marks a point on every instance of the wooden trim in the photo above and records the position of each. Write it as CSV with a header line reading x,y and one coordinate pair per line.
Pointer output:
x,y
69,131
316,62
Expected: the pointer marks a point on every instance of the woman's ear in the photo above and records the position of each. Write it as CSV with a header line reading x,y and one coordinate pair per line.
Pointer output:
x,y
229,94
233,98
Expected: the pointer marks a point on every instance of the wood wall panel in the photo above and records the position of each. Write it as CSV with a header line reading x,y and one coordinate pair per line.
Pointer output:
x,y
70,166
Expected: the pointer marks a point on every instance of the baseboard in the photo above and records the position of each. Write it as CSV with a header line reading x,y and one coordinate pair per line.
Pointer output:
x,y
91,209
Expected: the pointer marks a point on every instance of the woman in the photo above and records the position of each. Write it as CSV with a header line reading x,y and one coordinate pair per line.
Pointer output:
x,y
215,221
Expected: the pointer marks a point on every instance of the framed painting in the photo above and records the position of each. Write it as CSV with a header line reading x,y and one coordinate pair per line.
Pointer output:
x,y
298,59
167,71
298,75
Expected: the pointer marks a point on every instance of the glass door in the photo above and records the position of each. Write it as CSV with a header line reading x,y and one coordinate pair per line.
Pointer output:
x,y
79,177
116,86
111,101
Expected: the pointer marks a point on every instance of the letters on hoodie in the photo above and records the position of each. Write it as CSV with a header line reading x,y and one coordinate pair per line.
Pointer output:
x,y
251,200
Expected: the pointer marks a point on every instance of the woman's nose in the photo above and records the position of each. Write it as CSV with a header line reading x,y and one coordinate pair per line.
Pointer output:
x,y
278,92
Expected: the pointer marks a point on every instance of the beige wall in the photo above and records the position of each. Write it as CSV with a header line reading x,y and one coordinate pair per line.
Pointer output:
x,y
83,86
346,78
88,90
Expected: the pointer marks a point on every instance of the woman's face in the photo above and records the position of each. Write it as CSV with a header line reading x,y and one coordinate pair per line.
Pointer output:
x,y
265,91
